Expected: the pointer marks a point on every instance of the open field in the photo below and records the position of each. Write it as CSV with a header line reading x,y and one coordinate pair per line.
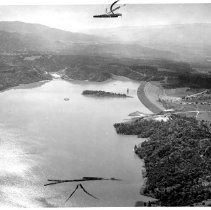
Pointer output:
x,y
176,92
197,106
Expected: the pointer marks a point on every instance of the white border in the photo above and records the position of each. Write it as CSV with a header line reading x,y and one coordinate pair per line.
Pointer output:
x,y
75,2
81,2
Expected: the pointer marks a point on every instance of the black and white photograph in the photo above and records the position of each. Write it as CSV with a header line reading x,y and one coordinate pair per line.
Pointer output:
x,y
105,104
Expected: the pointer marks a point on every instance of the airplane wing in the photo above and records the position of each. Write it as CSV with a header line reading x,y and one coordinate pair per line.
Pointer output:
x,y
111,8
116,8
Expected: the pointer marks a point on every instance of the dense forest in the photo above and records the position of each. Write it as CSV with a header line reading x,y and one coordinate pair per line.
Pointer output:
x,y
11,76
195,80
177,158
98,68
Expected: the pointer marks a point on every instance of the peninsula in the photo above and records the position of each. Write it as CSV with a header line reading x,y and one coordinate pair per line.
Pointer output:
x,y
177,158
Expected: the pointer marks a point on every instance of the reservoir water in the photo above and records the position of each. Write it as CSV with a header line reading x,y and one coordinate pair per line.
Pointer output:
x,y
42,137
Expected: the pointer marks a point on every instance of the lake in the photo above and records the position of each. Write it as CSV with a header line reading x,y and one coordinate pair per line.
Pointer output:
x,y
42,137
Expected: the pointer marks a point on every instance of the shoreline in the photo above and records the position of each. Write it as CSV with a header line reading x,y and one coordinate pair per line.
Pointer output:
x,y
22,85
155,110
113,78
134,180
141,93
163,178
41,82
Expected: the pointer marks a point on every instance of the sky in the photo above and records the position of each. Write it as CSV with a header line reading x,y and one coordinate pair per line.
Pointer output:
x,y
78,18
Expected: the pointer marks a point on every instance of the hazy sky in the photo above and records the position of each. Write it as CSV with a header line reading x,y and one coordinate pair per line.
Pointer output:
x,y
79,17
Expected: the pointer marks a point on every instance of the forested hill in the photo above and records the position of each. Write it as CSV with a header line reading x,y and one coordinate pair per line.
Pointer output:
x,y
18,37
177,158
101,68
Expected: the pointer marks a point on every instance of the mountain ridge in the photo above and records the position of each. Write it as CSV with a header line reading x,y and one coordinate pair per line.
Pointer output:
x,y
188,40
19,36
42,30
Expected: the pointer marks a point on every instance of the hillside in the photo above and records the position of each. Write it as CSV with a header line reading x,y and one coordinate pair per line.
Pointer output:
x,y
51,34
101,68
25,47
11,76
190,41
19,36
15,42
177,158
